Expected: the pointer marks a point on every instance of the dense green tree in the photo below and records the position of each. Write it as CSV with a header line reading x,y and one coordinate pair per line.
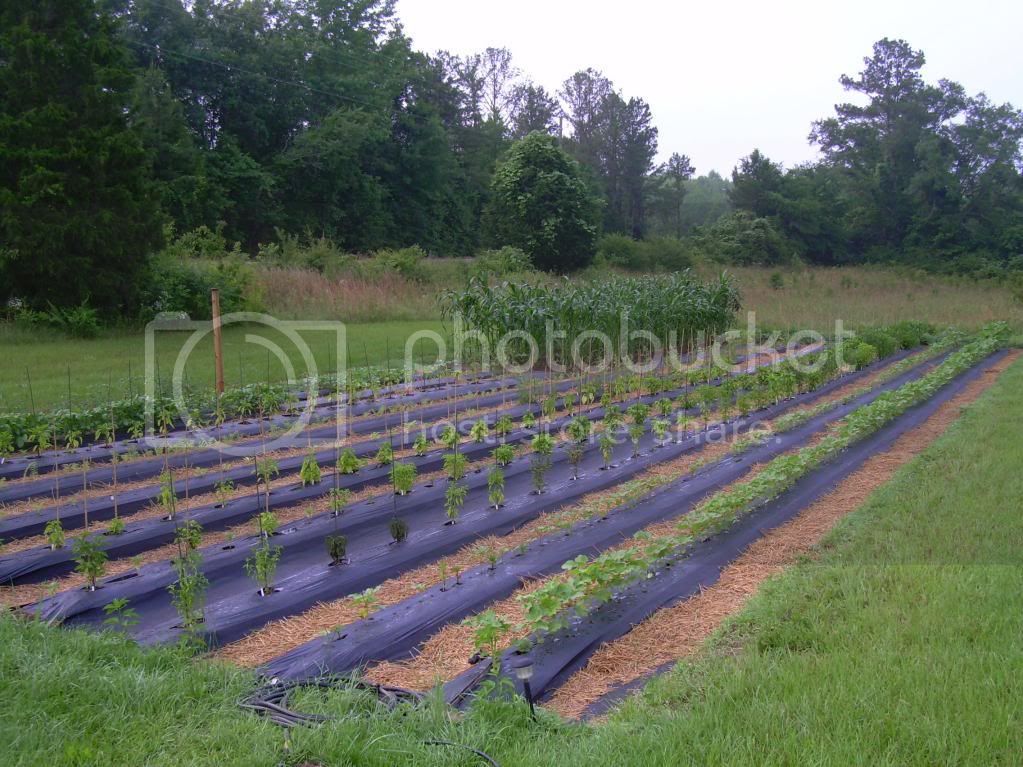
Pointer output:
x,y
79,214
668,190
540,203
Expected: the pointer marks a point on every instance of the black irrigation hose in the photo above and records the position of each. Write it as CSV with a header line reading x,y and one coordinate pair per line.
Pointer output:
x,y
271,701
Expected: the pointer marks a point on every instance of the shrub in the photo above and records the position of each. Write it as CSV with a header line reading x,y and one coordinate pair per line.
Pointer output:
x,y
337,547
405,261
882,342
501,262
398,529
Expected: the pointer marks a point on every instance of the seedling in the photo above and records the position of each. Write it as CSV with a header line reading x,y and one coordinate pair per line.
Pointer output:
x,y
403,477
528,421
120,617
366,601
223,490
310,473
398,529
488,635
117,526
91,560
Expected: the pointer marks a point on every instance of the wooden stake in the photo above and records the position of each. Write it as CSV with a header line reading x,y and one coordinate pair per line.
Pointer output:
x,y
218,351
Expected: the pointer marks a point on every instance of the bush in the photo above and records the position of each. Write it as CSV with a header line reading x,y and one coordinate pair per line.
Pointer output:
x,y
184,286
654,254
742,238
501,262
910,333
405,261
884,343
858,353
320,253
80,321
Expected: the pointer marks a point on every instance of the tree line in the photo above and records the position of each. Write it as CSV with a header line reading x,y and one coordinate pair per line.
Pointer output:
x,y
123,122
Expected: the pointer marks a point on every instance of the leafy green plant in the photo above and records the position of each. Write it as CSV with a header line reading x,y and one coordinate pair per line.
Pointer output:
x,y
660,429
262,565
268,523
310,473
337,547
454,499
366,601
479,431
385,455
455,466
339,498
575,453
90,560
528,421
120,617
495,486
223,490
54,533
449,437
421,444
503,426
636,431
116,527
489,631
504,454
399,529
607,447
403,477
348,462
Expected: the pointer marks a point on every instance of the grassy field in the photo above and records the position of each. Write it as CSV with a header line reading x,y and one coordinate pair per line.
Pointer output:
x,y
808,298
901,644
38,366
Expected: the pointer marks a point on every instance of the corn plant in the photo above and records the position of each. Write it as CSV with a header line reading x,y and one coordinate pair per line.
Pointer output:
x,y
454,499
403,476
310,473
54,532
348,462
495,486
90,559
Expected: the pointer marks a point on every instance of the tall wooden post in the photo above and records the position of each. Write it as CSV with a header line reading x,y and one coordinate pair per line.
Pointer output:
x,y
218,350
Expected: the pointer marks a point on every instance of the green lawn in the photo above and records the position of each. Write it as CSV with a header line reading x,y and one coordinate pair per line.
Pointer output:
x,y
110,366
901,644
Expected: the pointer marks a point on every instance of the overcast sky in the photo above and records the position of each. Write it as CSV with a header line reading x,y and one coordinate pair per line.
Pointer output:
x,y
725,77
